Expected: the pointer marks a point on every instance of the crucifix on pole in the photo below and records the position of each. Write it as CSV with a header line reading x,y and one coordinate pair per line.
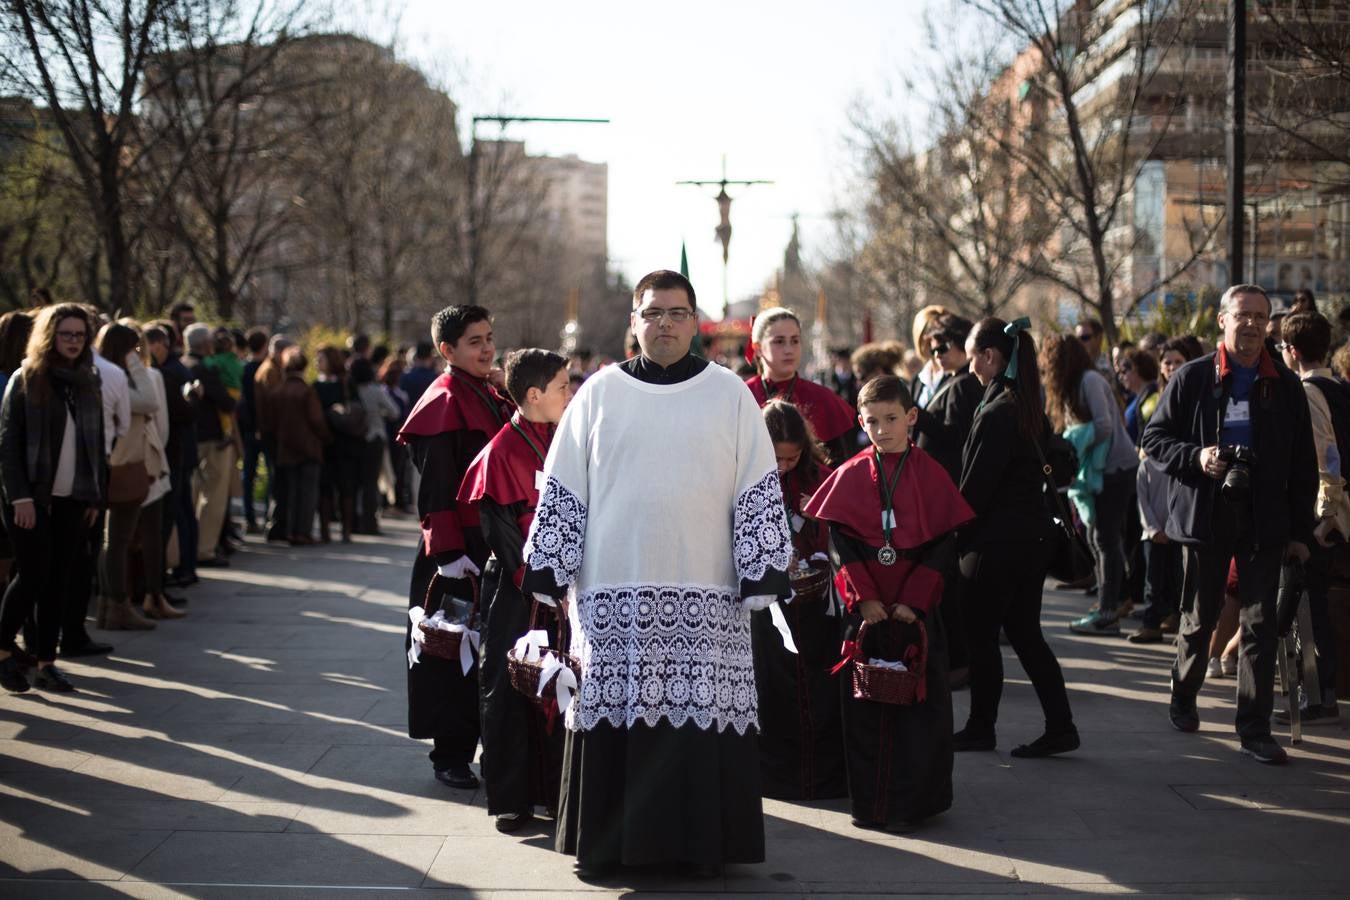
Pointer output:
x,y
723,229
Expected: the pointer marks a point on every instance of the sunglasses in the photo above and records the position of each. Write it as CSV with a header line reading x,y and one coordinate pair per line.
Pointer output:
x,y
940,349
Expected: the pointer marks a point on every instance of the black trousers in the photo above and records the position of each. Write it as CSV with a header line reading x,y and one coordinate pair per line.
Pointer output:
x,y
1163,580
46,581
1002,586
1258,572
1317,573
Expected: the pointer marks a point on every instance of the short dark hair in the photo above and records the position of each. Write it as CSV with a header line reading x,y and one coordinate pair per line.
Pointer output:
x,y
182,306
293,359
358,343
257,340
663,280
154,334
425,350
361,371
949,327
885,389
1145,363
1092,324
448,325
1309,333
530,368
170,330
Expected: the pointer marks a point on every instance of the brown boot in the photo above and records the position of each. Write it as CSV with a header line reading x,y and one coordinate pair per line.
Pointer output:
x,y
122,616
156,607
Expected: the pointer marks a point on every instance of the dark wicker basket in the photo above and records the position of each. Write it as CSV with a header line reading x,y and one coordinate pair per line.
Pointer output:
x,y
439,643
811,583
882,685
524,676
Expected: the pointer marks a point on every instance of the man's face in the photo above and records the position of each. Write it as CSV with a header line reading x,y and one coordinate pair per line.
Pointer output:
x,y
887,425
184,319
663,339
474,350
1243,320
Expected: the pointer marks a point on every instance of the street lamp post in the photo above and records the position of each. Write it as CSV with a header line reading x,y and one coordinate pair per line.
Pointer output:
x,y
1236,135
474,225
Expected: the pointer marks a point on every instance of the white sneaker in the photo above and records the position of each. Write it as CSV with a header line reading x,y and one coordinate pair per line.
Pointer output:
x,y
1214,669
1229,664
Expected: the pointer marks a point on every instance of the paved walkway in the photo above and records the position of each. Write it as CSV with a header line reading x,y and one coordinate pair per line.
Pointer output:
x,y
257,748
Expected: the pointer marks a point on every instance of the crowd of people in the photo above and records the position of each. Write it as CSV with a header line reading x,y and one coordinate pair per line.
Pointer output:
x,y
731,587
129,493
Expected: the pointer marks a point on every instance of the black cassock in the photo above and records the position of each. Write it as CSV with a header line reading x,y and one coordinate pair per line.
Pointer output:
x,y
442,698
801,740
899,757
522,750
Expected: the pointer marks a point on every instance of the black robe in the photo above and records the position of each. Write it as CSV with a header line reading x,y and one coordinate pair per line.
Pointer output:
x,y
899,757
801,739
616,779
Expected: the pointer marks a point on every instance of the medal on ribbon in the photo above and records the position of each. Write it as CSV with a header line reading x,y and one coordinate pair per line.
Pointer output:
x,y
887,555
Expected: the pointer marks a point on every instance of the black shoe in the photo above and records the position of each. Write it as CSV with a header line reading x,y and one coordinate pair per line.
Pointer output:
x,y
50,678
1312,715
1047,745
1265,750
509,822
1184,719
12,677
868,824
967,740
460,776
87,647
214,562
594,871
184,580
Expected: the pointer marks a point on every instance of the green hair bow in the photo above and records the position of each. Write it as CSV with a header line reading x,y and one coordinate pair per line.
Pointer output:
x,y
1014,330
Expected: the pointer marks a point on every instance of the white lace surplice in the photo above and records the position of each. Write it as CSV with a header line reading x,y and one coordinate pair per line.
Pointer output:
x,y
658,501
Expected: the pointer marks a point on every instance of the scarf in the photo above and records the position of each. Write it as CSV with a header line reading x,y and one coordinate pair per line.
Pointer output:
x,y
77,391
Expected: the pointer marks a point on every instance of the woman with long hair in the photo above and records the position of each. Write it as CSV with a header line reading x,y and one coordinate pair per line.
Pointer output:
x,y
51,475
1076,394
1163,568
776,352
801,747
1005,553
130,464
15,327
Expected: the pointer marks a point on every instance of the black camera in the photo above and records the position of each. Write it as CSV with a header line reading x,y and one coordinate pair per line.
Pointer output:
x,y
1237,481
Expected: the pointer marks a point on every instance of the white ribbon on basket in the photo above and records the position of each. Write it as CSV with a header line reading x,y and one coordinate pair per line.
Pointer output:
x,y
468,645
529,644
567,680
892,664
780,622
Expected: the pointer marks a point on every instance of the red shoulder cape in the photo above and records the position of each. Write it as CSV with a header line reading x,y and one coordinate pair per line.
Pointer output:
x,y
450,404
829,416
504,469
927,503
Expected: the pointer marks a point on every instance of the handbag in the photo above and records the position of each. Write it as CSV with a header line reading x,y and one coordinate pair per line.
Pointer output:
x,y
348,419
128,478
1073,558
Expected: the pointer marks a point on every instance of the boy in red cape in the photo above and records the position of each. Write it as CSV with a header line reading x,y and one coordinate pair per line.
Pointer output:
x,y
452,421
892,510
522,761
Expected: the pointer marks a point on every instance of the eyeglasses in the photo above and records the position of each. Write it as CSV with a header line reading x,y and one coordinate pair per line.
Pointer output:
x,y
1282,346
71,335
654,314
1251,318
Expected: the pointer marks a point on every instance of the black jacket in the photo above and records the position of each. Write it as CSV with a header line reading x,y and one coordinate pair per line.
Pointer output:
x,y
943,425
1001,477
1284,477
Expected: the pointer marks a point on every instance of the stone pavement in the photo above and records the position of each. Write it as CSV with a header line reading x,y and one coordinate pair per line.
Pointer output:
x,y
257,748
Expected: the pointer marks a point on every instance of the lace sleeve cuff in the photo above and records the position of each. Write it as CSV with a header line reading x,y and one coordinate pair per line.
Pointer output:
x,y
763,541
556,537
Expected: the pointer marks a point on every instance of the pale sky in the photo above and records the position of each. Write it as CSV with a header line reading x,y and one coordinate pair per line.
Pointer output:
x,y
767,83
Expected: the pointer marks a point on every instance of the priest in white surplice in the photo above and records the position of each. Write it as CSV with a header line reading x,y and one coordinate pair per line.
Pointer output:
x,y
661,519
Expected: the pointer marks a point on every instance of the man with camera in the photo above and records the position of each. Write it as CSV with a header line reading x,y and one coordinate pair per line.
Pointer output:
x,y
1232,431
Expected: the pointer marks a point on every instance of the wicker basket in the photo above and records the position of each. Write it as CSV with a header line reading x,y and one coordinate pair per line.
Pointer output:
x,y
438,642
811,583
524,675
882,685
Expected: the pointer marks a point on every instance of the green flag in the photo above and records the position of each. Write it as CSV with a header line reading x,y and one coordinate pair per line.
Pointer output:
x,y
696,345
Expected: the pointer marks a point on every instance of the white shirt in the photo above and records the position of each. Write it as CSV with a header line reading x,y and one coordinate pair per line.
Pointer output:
x,y
63,479
116,400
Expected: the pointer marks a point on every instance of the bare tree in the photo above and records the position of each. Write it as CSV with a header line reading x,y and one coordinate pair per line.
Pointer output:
x,y
219,105
951,220
1089,96
85,59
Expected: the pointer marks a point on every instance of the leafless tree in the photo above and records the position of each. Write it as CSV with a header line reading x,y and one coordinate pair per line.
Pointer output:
x,y
1089,93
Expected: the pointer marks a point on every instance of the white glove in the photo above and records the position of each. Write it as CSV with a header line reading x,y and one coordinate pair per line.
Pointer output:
x,y
460,568
761,601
